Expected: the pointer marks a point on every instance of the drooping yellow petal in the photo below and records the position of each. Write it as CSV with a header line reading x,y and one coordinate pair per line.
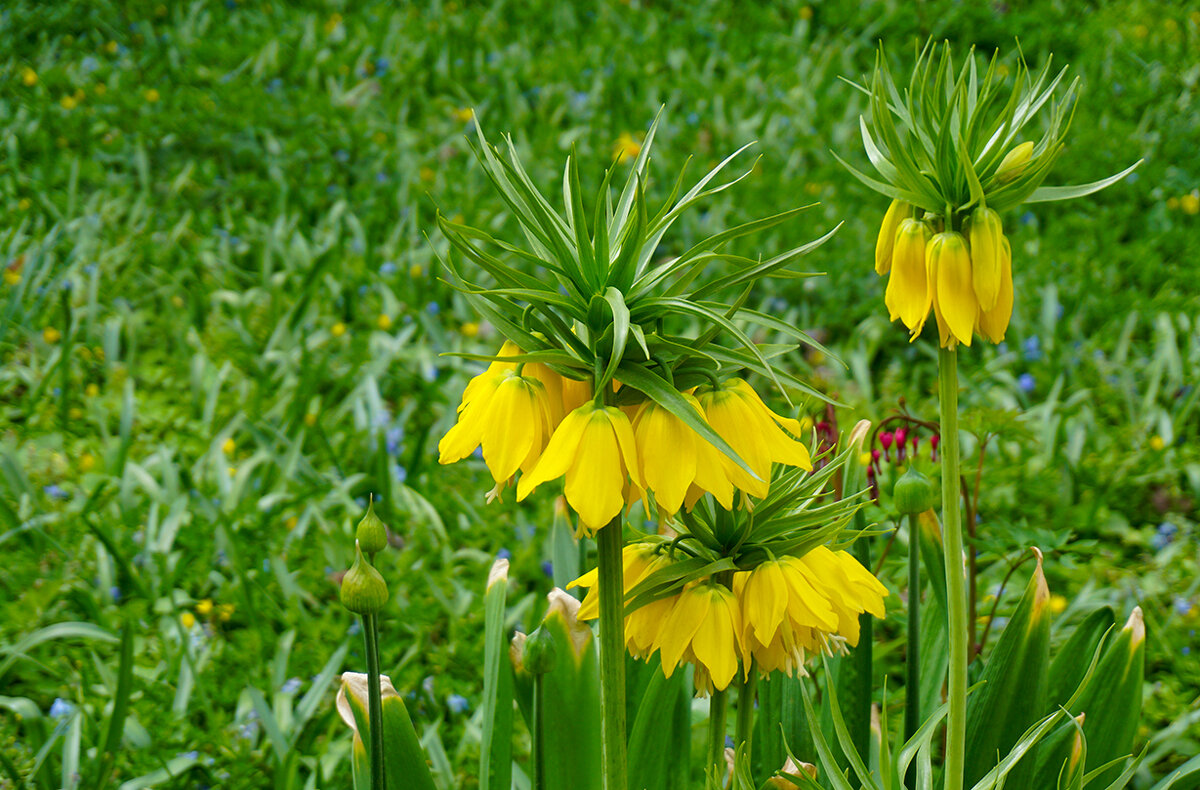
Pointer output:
x,y
985,233
595,482
715,643
559,454
907,296
575,393
512,425
733,421
993,324
466,434
666,450
765,597
896,213
956,300
688,613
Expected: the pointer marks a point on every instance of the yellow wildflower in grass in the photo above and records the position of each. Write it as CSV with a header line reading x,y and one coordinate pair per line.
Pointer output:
x,y
12,276
68,103
100,89
92,390
151,96
806,12
384,322
1157,443
87,462
470,329
416,270
228,446
225,612
756,434
626,147
332,23
51,335
310,419
338,329
1058,603
29,77
188,619
1190,203
111,47
204,607
594,450
674,458
463,114
509,416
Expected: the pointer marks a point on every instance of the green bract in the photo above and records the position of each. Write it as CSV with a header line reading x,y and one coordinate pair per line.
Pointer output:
x,y
584,293
941,142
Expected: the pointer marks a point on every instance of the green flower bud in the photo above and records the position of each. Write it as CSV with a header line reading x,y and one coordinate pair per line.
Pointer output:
x,y
372,532
913,493
1014,162
540,652
363,590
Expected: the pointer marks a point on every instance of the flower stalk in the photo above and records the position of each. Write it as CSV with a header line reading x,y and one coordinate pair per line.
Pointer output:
x,y
612,655
716,732
955,577
374,700
912,661
744,734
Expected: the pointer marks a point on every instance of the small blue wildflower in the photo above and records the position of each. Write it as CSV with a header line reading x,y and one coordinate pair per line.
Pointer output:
x,y
248,731
60,707
1131,178
362,290
381,178
1002,348
354,630
1182,605
114,592
89,64
274,85
1026,382
999,623
1187,651
478,453
55,492
266,566
57,391
504,554
433,308
548,568
89,268
394,439
387,267
458,703
399,473
427,685
342,155
693,118
1028,218
728,742
291,686
192,755
381,65
1033,348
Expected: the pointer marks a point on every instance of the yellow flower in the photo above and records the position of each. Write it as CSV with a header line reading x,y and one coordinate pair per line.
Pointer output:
x,y
907,296
151,95
100,89
92,390
310,419
643,624
806,12
985,234
188,619
463,114
68,102
29,77
331,24
416,270
1013,163
799,605
384,322
1058,603
12,276
594,450
509,415
51,335
993,324
291,522
110,47
204,607
897,212
948,266
470,329
338,329
228,446
704,628
87,462
1190,203
1157,443
224,612
673,457
755,433
626,147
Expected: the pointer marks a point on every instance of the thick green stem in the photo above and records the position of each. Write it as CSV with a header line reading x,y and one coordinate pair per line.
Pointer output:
x,y
956,587
912,661
374,701
612,655
716,735
538,757
744,734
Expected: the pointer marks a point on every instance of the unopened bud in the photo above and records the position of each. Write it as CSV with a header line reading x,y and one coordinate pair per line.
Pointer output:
x,y
363,590
371,533
1013,163
540,652
913,493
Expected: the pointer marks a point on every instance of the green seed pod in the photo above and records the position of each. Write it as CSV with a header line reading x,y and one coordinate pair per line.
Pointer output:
x,y
372,532
540,652
363,590
913,493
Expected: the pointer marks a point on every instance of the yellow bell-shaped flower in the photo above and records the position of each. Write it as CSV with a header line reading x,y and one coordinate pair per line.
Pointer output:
x,y
897,212
908,297
948,266
704,628
994,323
594,449
674,457
984,232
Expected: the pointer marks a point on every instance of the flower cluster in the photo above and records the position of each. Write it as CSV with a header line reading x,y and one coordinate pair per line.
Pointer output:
x,y
526,417
966,278
770,618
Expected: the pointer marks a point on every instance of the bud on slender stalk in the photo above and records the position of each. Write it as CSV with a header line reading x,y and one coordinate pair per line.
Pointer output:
x,y
913,493
540,652
1014,163
371,533
363,589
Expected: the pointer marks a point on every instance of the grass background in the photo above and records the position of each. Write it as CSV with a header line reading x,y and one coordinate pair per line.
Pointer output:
x,y
222,324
